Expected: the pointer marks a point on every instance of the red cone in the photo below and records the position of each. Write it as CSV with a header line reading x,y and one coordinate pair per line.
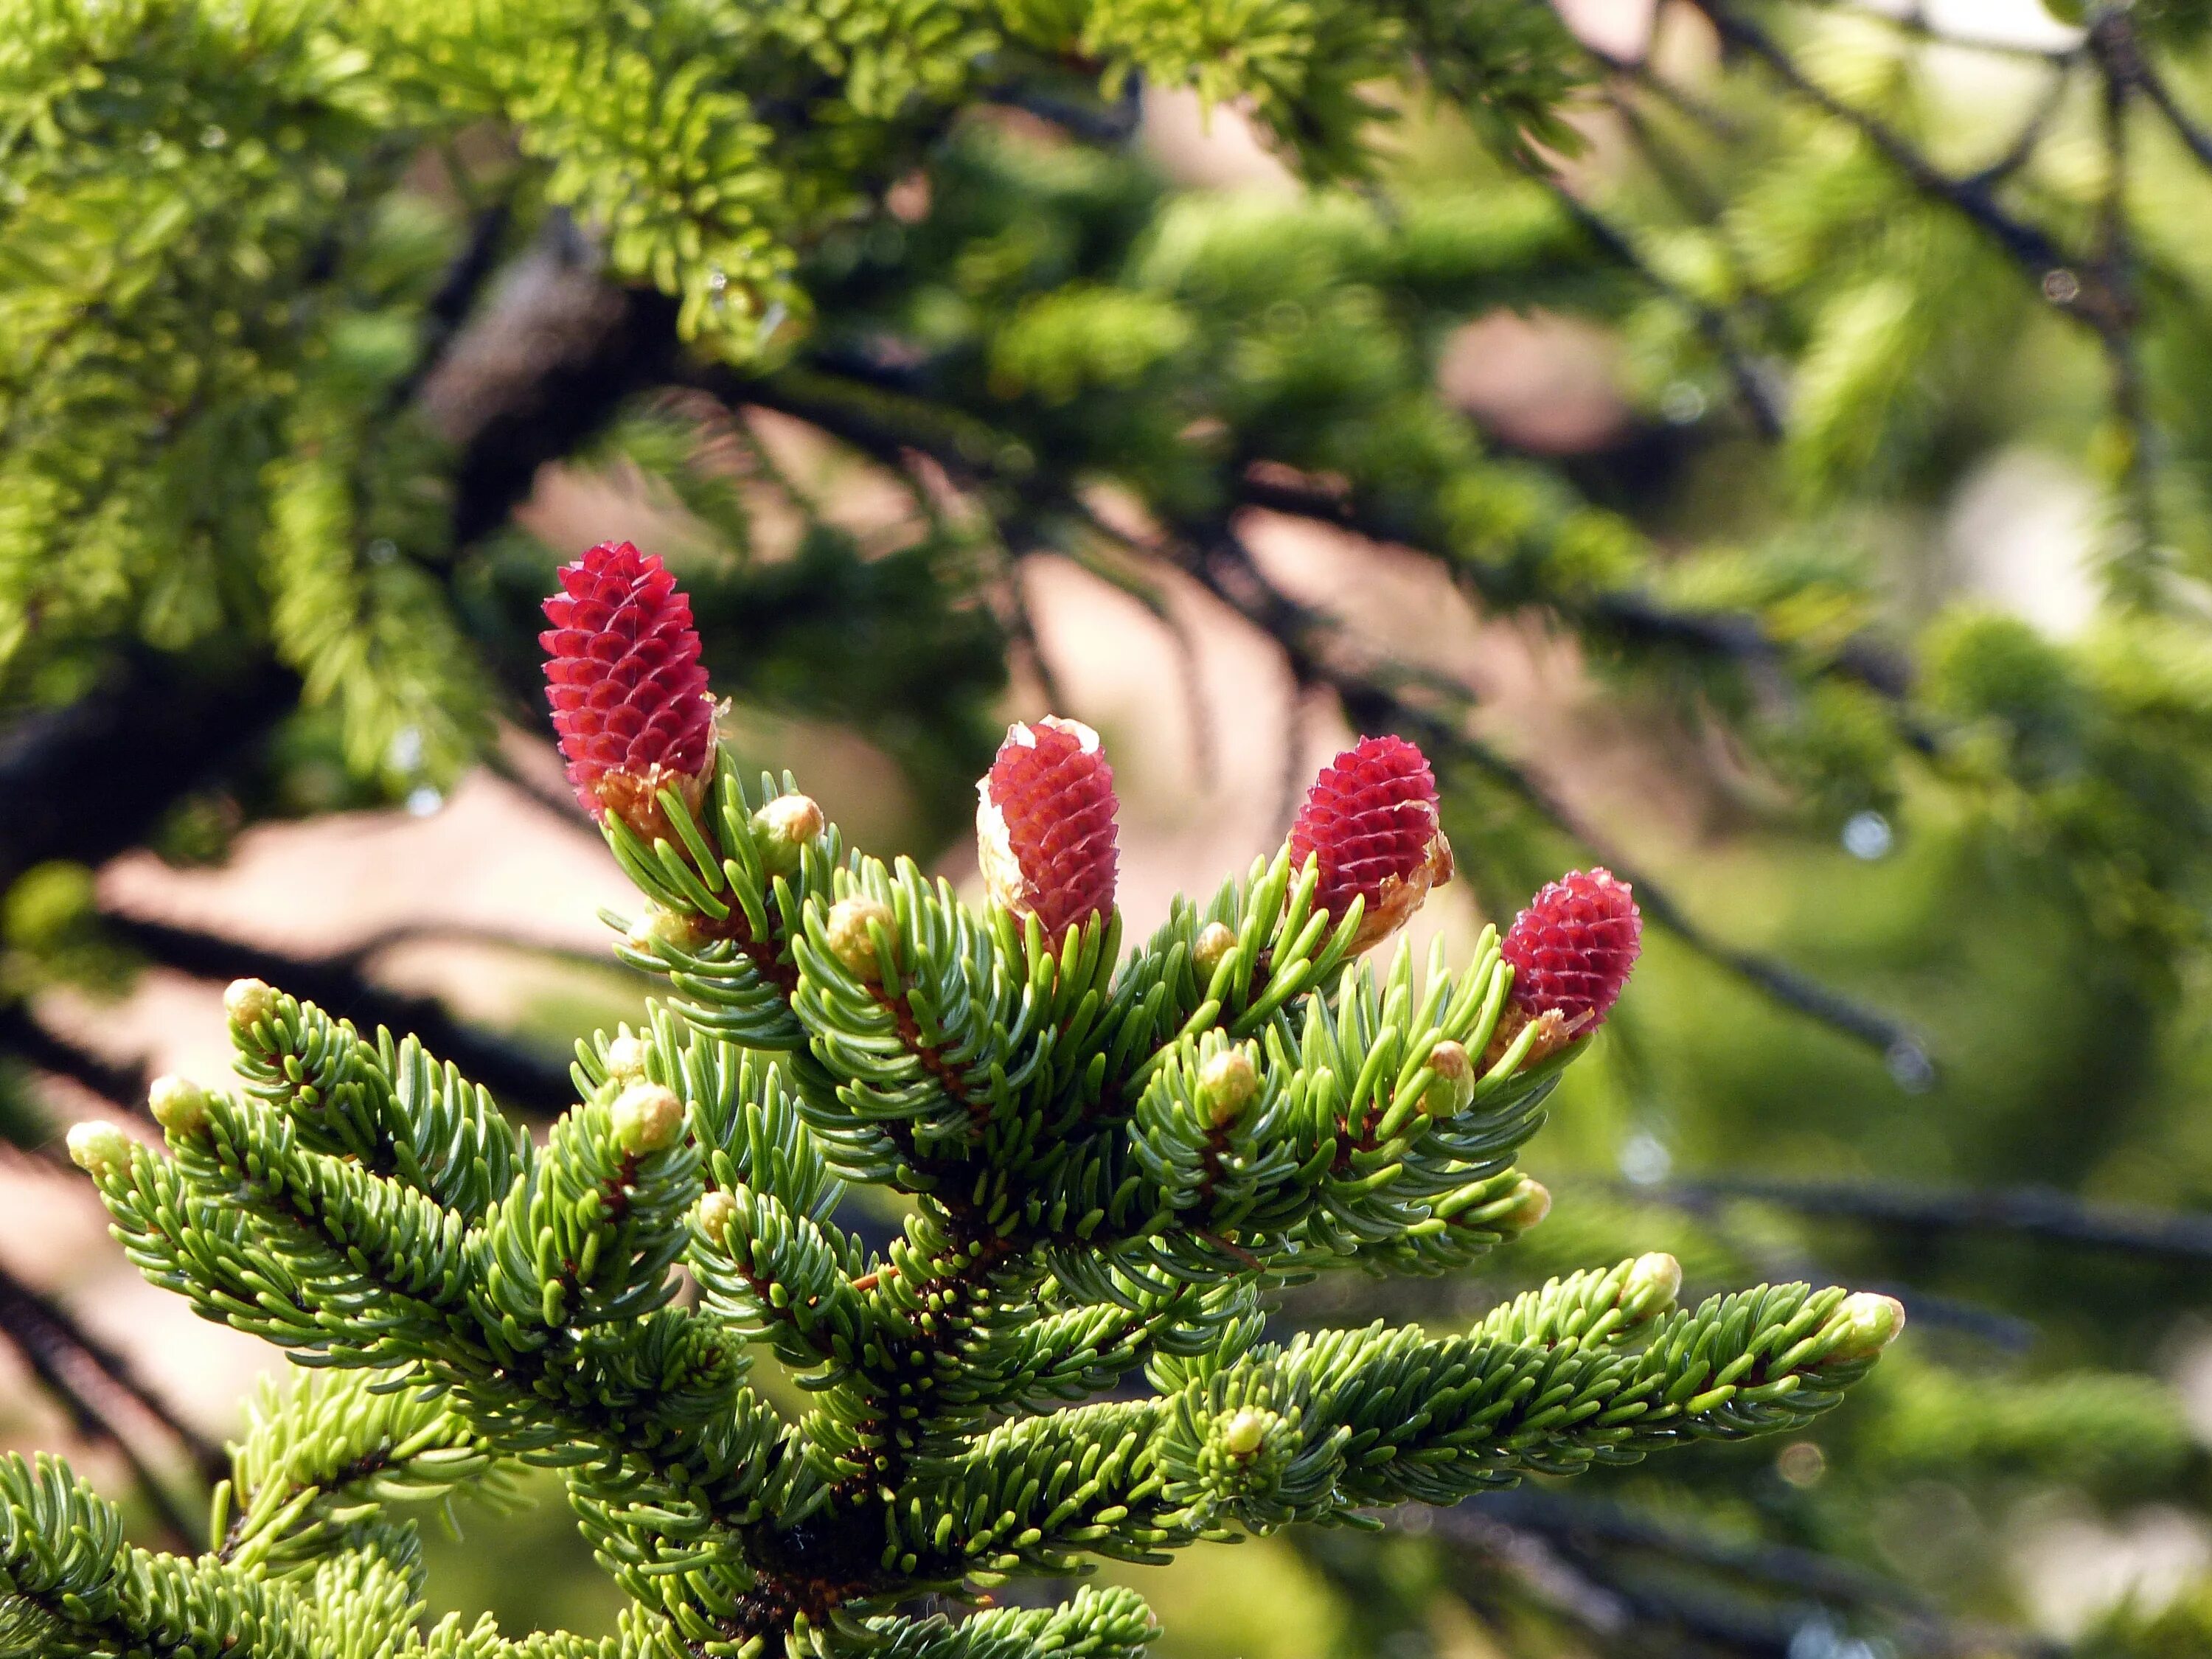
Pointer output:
x,y
1044,824
1572,948
629,694
1371,820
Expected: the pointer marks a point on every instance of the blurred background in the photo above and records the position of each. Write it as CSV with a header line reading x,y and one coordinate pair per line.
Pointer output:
x,y
1780,476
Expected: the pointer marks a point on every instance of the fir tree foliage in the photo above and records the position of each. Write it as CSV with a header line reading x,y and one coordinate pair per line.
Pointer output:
x,y
1110,1159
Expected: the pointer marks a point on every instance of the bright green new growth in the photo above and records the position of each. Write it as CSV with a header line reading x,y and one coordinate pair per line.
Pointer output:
x,y
1109,1161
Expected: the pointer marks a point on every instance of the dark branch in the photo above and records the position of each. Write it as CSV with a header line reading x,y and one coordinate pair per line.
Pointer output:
x,y
2024,243
86,781
1792,1585
92,1381
518,1075
2035,1212
1752,382
29,1040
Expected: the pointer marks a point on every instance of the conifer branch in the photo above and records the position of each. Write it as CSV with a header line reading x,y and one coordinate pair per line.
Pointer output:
x,y
2028,246
1751,379
872,424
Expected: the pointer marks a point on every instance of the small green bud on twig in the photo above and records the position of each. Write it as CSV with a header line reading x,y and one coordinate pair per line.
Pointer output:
x,y
783,827
849,933
1245,1432
660,927
99,1148
1653,1283
1226,1084
716,1210
1214,942
648,1118
1866,1322
1532,1202
249,1002
1455,1072
179,1104
626,1058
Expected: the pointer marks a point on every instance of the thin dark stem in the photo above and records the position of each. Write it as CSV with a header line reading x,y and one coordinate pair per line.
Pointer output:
x,y
559,803
518,1075
30,1040
91,1381
1624,614
1902,1049
1915,22
1592,1535
2035,1212
456,296
2114,45
1752,388
2044,261
2152,87
2033,132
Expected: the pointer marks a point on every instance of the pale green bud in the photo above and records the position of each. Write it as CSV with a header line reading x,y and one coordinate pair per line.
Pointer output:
x,y
179,1104
783,827
626,1059
249,1002
648,1118
100,1149
1226,1084
716,1210
1213,944
1653,1283
1245,1432
1453,1090
1532,1202
1866,1322
660,927
847,931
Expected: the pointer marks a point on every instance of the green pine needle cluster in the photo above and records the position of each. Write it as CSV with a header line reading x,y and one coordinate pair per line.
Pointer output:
x,y
1107,1160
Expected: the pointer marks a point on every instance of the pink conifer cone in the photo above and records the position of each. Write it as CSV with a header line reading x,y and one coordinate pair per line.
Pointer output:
x,y
1572,949
1371,821
1044,824
629,693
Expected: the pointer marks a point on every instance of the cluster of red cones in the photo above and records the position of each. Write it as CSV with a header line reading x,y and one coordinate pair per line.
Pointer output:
x,y
634,714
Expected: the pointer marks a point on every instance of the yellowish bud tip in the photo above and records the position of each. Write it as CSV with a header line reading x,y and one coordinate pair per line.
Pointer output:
x,y
1211,948
648,1118
1653,1283
660,927
1865,1322
626,1058
1226,1084
1532,1202
848,931
784,826
1245,1432
716,1210
249,1002
179,1104
99,1148
1455,1086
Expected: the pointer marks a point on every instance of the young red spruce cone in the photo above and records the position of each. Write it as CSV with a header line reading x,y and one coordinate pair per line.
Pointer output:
x,y
1571,949
1044,825
1371,821
629,694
